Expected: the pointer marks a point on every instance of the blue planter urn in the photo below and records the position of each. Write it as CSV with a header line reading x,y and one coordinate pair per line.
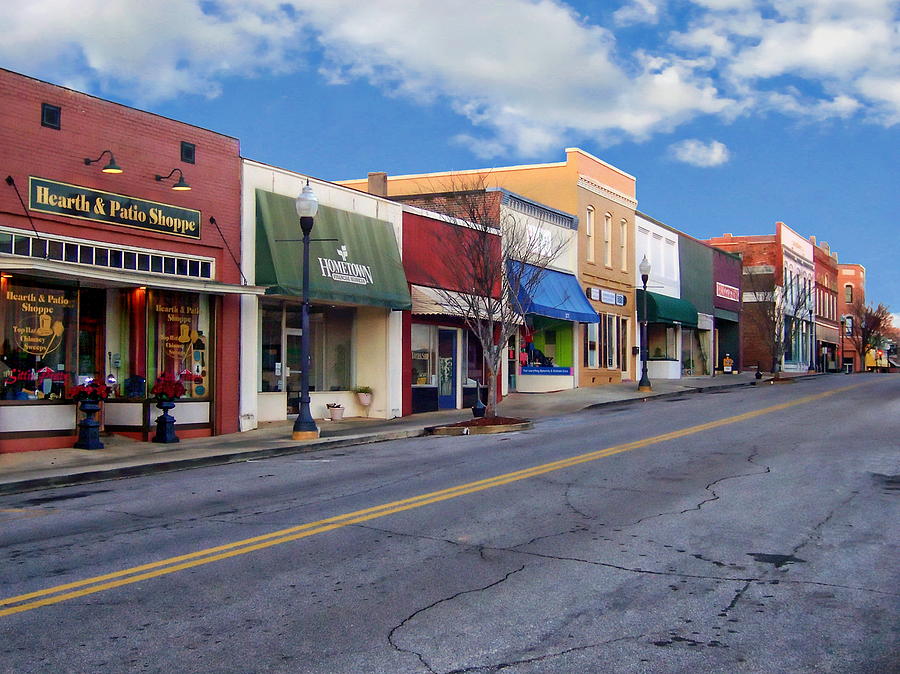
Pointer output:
x,y
165,424
89,428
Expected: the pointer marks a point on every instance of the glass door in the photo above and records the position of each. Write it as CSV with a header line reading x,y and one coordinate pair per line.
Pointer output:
x,y
446,369
292,368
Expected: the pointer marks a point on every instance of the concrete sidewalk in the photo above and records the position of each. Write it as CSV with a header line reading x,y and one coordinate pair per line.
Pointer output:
x,y
121,457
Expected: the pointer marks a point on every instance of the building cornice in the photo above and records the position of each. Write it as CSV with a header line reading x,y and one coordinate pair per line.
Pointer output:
x,y
607,192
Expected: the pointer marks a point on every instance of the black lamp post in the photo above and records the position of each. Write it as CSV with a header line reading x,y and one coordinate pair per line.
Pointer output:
x,y
812,340
843,328
644,383
305,426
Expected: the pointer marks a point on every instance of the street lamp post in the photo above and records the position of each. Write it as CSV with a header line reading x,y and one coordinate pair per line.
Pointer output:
x,y
304,425
812,341
644,383
843,328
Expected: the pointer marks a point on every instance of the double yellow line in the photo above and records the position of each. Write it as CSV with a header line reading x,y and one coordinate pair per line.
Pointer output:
x,y
81,588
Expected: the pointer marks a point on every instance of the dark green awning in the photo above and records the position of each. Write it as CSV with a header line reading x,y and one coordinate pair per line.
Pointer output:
x,y
665,309
362,267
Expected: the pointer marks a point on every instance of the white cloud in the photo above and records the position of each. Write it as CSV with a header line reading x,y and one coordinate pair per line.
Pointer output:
x,y
845,54
147,50
528,75
638,11
697,153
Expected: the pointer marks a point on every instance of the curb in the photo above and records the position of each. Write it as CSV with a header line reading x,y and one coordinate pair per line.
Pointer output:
x,y
236,456
478,430
200,462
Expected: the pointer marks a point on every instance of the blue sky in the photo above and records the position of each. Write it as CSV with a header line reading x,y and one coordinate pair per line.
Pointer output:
x,y
732,114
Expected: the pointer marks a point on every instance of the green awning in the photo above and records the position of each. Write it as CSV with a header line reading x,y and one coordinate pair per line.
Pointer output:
x,y
665,309
362,266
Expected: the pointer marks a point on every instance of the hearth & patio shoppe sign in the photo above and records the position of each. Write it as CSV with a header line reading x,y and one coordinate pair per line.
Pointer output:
x,y
84,203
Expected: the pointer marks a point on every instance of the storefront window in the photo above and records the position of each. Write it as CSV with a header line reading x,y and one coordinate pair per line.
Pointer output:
x,y
271,363
552,345
661,341
331,333
611,341
474,357
422,354
591,345
179,340
39,333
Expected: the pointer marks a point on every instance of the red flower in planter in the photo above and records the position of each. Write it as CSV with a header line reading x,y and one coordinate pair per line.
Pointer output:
x,y
167,387
91,390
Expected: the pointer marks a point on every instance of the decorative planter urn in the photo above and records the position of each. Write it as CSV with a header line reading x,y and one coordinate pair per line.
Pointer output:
x,y
335,413
365,399
89,428
165,424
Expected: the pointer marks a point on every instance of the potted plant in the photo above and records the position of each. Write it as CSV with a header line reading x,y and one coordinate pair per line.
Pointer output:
x,y
166,390
335,411
363,394
89,396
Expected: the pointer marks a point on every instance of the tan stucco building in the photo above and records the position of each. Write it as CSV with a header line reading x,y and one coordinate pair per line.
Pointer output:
x,y
603,198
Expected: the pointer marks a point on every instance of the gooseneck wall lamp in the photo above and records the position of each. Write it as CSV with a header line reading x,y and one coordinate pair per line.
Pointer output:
x,y
644,383
181,185
307,205
111,165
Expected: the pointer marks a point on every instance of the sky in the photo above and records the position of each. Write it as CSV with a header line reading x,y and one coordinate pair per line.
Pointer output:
x,y
731,114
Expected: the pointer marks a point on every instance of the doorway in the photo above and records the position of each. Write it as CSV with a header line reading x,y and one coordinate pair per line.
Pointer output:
x,y
446,369
292,368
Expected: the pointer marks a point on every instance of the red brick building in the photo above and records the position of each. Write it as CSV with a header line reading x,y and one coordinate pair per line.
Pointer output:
x,y
110,266
851,286
827,353
778,298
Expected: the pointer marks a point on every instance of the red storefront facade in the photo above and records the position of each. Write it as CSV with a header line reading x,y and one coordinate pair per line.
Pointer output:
x,y
442,359
110,269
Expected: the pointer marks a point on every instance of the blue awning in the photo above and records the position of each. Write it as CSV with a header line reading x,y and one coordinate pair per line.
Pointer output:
x,y
550,293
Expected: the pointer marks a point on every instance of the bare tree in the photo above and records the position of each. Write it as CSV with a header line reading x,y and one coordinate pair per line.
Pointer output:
x,y
498,261
775,312
867,327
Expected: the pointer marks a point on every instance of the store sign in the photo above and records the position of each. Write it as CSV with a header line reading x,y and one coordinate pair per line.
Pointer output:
x,y
345,272
606,296
48,196
38,319
728,292
547,370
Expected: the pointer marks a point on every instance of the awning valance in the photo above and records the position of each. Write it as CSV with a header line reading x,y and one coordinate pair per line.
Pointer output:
x,y
113,278
362,266
427,300
665,309
555,294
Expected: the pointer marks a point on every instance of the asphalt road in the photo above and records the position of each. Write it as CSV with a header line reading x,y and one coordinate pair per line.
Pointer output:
x,y
751,530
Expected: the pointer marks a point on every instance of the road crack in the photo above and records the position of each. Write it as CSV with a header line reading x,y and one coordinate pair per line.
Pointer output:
x,y
542,658
709,487
421,657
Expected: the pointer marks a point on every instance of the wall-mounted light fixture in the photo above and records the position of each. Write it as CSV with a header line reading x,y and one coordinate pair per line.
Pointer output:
x,y
111,165
181,185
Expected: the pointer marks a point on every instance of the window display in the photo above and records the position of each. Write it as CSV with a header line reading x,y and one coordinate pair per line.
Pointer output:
x,y
39,333
178,340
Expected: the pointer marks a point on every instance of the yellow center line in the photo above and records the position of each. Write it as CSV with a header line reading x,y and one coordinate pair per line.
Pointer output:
x,y
59,593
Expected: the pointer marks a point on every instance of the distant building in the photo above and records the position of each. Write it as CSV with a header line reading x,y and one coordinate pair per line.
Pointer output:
x,y
778,298
602,199
851,282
